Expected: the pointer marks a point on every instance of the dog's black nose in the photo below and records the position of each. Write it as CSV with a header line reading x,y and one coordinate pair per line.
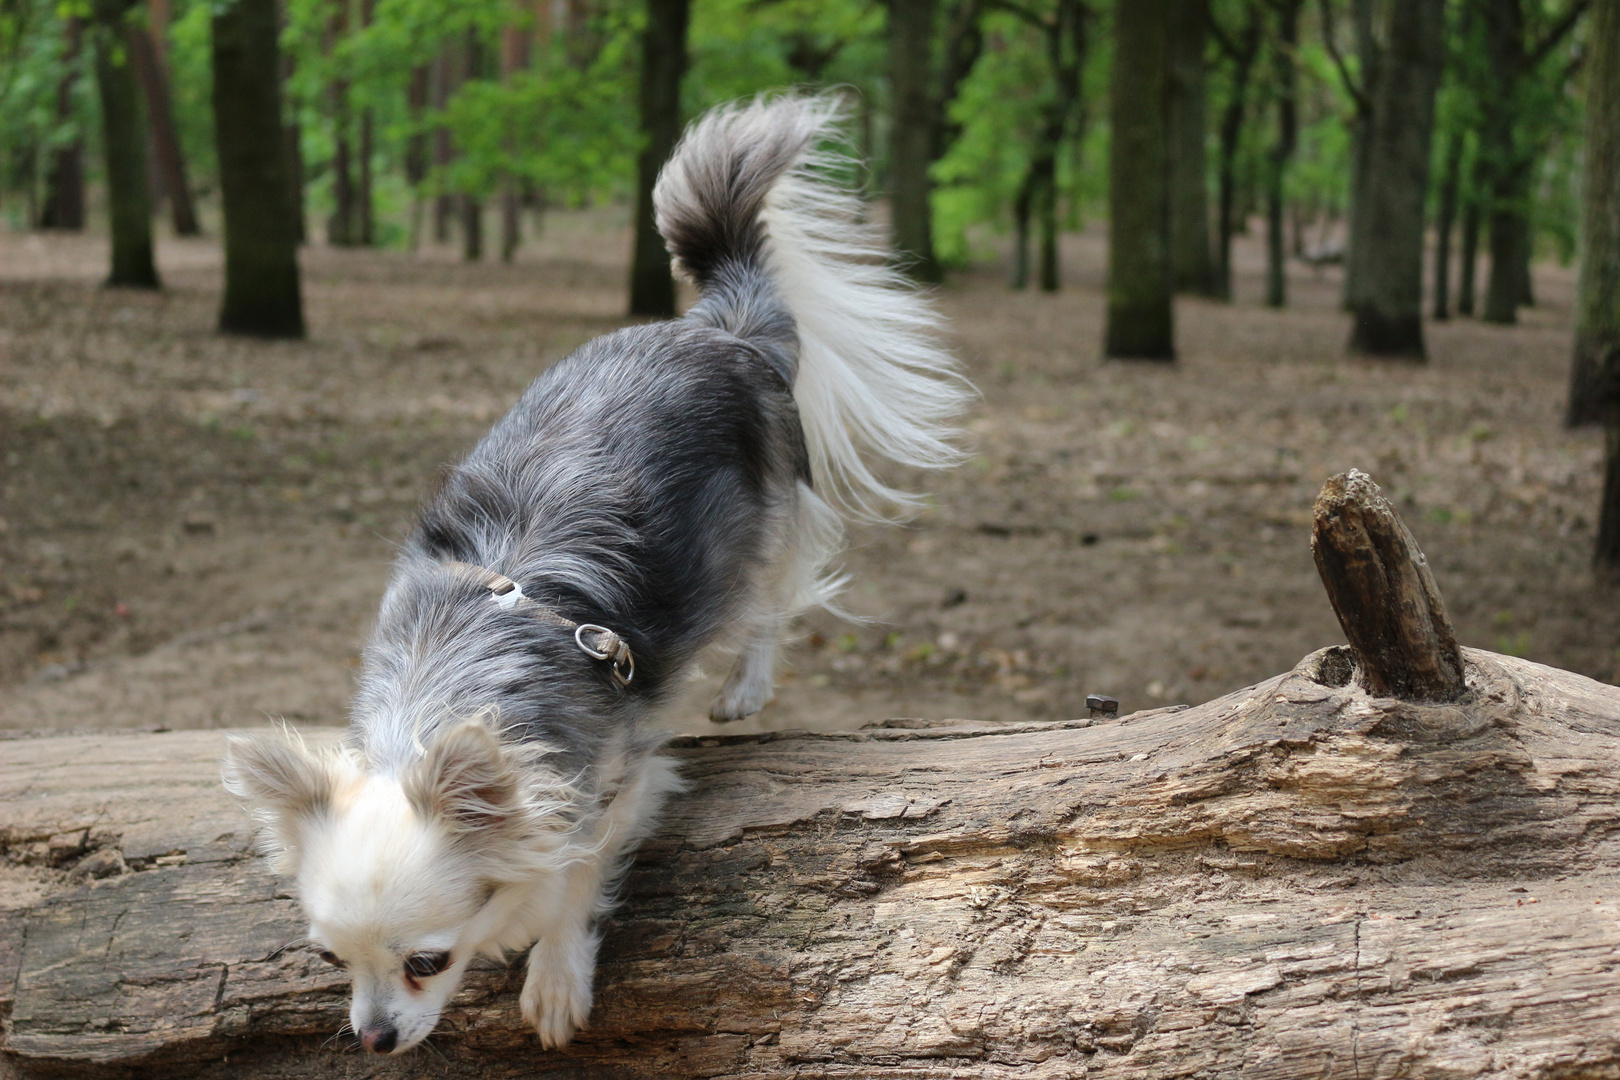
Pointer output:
x,y
379,1040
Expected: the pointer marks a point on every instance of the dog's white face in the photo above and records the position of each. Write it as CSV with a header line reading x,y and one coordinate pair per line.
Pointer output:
x,y
392,900
401,877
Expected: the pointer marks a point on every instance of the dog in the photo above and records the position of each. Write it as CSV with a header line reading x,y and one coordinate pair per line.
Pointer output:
x,y
662,488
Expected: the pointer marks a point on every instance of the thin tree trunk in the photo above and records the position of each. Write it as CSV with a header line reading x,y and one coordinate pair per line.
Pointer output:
x,y
1023,210
1449,183
1389,313
1606,553
1241,52
129,200
911,149
262,294
170,160
1282,151
341,228
472,228
1191,264
471,205
365,210
1506,168
443,201
1141,319
64,178
416,146
663,66
1468,257
514,57
1594,392
1371,54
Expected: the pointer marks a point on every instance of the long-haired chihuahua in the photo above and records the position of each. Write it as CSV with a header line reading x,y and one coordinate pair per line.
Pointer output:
x,y
661,488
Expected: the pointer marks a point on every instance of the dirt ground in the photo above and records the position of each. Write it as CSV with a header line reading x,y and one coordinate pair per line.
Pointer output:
x,y
194,531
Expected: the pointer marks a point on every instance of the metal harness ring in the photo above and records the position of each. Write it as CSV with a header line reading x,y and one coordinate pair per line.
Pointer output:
x,y
609,646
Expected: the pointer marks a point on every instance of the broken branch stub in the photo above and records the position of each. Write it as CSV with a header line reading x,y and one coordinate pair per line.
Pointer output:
x,y
1379,584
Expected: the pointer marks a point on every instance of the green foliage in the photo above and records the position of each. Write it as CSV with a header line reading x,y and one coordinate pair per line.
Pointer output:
x,y
564,123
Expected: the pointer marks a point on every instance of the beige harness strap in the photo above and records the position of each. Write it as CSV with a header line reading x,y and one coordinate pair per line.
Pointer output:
x,y
603,644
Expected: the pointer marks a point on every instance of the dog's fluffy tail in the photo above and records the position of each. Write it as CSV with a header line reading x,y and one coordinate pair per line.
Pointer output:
x,y
751,210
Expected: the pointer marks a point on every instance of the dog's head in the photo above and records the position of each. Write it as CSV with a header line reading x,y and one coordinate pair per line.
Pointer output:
x,y
401,876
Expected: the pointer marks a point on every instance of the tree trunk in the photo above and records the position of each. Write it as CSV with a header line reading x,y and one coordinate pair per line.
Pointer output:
x,y
663,66
911,135
1141,322
262,295
1289,881
514,57
472,228
1594,387
1606,555
341,225
1447,216
123,136
171,161
1468,258
365,210
1191,265
1527,260
1507,170
1282,151
1388,311
1594,392
64,178
443,201
1241,52
416,146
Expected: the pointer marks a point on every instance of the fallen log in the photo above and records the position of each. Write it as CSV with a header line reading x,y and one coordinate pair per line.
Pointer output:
x,y
1298,879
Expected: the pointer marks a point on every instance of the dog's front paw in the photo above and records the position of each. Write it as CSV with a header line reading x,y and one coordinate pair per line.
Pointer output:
x,y
557,991
745,693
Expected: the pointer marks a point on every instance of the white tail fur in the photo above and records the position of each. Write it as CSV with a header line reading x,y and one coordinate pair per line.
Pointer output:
x,y
873,378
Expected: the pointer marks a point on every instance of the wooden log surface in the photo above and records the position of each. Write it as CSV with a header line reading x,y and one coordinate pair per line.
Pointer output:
x,y
1384,594
1296,880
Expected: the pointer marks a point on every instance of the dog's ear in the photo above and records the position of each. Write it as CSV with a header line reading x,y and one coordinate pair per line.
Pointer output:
x,y
287,786
468,782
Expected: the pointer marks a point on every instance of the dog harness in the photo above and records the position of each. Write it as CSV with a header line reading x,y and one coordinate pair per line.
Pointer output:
x,y
597,642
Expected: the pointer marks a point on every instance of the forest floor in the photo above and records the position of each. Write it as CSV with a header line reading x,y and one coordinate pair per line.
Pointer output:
x,y
195,530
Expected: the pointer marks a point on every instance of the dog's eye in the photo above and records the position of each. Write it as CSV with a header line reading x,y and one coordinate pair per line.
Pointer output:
x,y
332,958
425,965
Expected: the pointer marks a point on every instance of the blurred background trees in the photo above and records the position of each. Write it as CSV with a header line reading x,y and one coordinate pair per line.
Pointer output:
x,y
982,119
1383,134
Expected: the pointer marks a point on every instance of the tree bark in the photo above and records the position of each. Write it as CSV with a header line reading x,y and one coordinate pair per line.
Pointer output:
x,y
1594,392
171,162
1141,320
1241,51
1384,595
1388,307
123,136
663,67
1191,264
1594,389
1282,151
1299,879
262,294
1446,218
911,136
1066,47
343,225
442,86
64,177
1468,257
